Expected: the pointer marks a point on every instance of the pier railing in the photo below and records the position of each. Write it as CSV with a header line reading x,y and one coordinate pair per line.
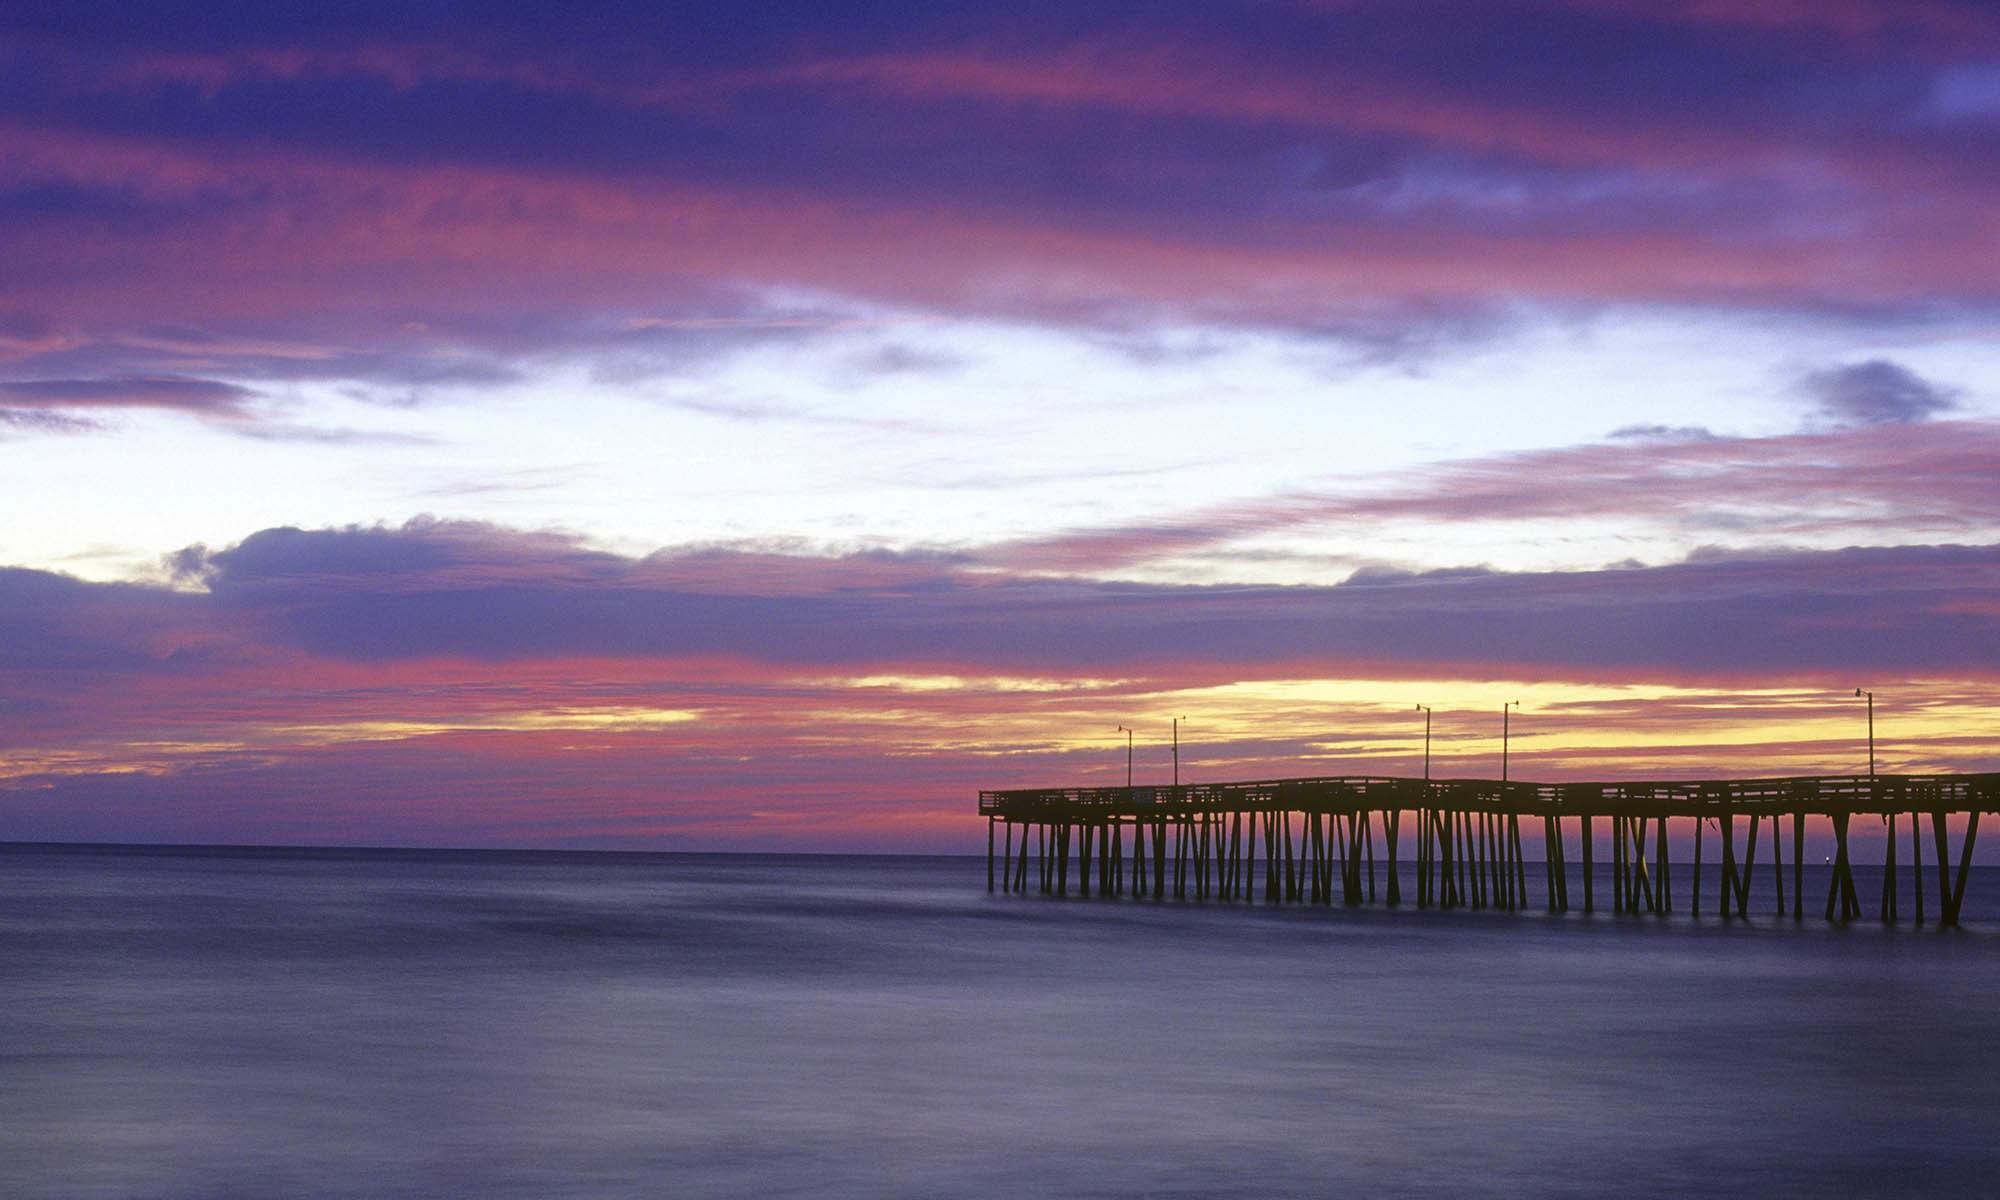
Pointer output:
x,y
1822,795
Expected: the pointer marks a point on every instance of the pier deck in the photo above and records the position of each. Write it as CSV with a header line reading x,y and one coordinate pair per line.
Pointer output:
x,y
1202,841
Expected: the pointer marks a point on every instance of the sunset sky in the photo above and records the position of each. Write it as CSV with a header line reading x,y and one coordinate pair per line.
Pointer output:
x,y
760,426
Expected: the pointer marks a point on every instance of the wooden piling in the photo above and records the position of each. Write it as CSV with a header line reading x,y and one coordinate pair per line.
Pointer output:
x,y
1250,857
1392,825
1799,867
1021,867
1964,869
1160,859
1749,862
1549,861
1452,823
1180,857
1644,888
1619,888
1117,857
1841,893
1271,877
1062,859
1083,829
1589,849
1145,860
1467,893
1201,840
1916,870
1517,892
1291,865
1368,846
1778,862
1887,905
1726,825
1694,892
1562,869
1486,853
1944,866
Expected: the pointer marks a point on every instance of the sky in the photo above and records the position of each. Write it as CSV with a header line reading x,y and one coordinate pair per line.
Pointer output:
x,y
758,427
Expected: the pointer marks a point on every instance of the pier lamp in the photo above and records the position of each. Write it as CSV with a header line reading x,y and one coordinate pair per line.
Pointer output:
x,y
1177,756
1426,710
1506,711
1858,692
1128,754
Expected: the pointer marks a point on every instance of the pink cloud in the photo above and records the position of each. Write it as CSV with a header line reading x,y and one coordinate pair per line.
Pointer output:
x,y
1874,483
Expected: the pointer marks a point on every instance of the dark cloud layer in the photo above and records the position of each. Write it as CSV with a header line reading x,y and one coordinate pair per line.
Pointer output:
x,y
479,593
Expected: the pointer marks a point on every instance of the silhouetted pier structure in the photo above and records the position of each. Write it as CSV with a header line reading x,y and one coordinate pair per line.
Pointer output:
x,y
1315,839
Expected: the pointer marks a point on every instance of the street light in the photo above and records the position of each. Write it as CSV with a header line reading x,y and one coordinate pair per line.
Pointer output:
x,y
1128,754
1177,755
1871,729
1426,710
1506,711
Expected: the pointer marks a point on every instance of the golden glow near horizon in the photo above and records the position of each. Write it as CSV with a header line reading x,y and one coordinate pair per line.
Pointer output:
x,y
1294,726
1561,726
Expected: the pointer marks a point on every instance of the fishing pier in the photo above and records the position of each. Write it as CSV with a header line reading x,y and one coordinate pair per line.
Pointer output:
x,y
1310,841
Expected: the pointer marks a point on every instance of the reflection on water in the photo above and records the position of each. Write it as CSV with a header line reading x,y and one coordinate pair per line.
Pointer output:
x,y
371,1024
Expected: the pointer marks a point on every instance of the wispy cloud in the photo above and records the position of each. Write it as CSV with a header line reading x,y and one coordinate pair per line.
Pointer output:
x,y
35,420
1884,483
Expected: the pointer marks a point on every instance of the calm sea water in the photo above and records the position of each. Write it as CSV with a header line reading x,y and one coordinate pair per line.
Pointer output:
x,y
350,1024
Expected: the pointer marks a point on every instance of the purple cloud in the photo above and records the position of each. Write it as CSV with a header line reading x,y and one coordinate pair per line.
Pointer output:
x,y
203,396
444,591
1877,392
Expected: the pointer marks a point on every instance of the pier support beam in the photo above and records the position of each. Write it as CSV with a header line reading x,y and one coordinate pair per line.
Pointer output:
x,y
1840,892
1778,861
1666,876
1887,905
1726,824
1694,892
1392,825
1589,892
1950,915
1749,862
1799,865
1917,868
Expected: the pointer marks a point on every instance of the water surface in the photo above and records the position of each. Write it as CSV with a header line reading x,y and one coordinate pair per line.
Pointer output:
x,y
390,1024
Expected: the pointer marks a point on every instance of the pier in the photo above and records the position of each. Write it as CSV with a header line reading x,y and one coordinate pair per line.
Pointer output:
x,y
1312,841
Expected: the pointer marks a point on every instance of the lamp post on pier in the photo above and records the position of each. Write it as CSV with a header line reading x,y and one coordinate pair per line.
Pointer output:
x,y
1426,710
1128,754
1506,712
1858,692
1177,756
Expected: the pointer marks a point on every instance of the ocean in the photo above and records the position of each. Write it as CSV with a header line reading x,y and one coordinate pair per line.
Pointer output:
x,y
285,1023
